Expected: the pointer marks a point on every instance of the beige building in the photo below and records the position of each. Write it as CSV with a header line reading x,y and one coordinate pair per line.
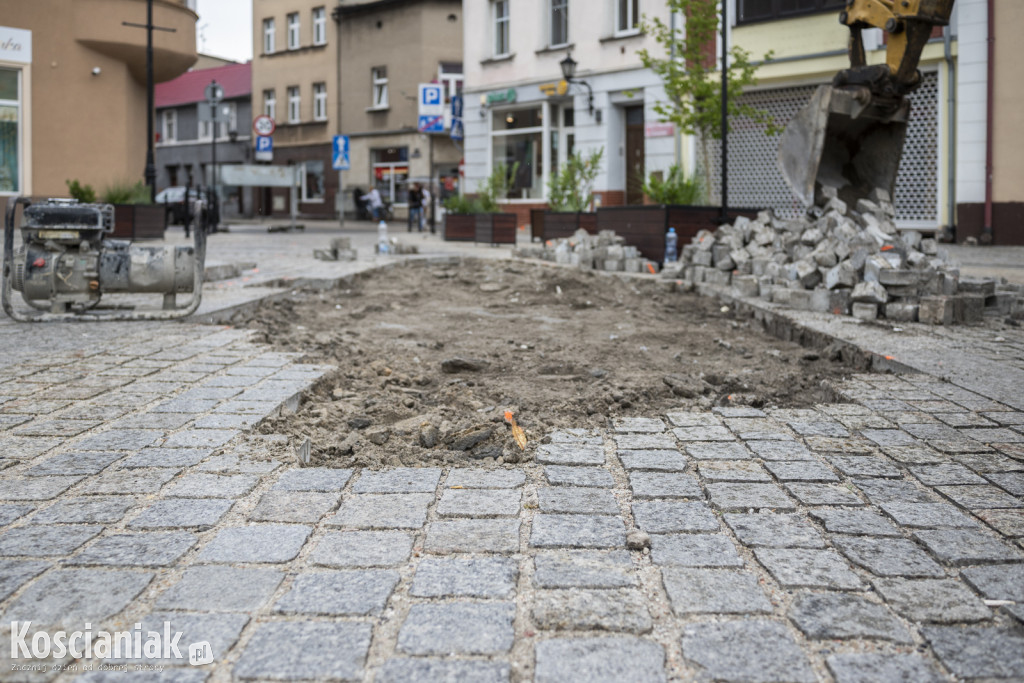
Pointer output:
x,y
388,48
73,89
295,82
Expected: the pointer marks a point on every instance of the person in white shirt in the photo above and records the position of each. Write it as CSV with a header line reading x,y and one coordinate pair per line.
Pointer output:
x,y
425,204
373,202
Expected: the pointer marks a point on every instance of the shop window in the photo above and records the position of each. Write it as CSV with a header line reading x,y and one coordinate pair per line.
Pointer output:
x,y
761,10
320,101
270,104
313,182
319,26
559,22
628,16
379,78
294,104
10,131
268,36
501,26
391,173
293,31
517,118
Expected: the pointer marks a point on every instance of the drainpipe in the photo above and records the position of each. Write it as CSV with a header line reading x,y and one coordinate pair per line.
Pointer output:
x,y
947,40
986,231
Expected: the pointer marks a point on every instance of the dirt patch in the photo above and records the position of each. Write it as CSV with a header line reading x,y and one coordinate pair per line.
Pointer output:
x,y
430,359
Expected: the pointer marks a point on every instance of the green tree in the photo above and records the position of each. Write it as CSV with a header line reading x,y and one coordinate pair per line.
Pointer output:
x,y
689,74
571,189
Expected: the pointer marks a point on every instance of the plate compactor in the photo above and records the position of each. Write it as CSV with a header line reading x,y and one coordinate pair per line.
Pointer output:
x,y
67,261
850,136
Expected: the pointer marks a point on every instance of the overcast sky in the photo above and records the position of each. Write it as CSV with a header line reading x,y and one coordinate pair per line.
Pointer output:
x,y
224,28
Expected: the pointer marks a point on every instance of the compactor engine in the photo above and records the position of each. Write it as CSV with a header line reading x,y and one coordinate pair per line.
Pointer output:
x,y
67,261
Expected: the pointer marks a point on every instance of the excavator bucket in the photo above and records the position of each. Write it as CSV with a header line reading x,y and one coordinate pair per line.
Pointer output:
x,y
845,139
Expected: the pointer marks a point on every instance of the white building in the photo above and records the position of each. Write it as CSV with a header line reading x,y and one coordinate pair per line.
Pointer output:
x,y
518,109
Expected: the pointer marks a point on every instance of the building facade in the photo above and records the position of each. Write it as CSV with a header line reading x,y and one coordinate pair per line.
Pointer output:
x,y
185,133
73,89
518,109
387,48
295,82
941,185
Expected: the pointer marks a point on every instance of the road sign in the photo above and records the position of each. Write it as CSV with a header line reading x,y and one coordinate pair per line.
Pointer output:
x,y
431,99
339,157
457,107
432,124
214,92
457,132
264,148
264,125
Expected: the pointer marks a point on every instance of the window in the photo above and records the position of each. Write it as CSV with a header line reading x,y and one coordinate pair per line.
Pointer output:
x,y
379,76
516,139
270,104
320,101
501,22
449,75
759,10
319,26
391,173
268,36
227,120
294,102
10,131
313,182
628,16
559,22
170,127
293,31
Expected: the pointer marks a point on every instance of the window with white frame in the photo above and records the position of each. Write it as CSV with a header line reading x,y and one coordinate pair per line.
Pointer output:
x,y
319,26
227,120
268,36
313,181
449,75
501,26
559,22
627,16
293,31
379,77
270,104
320,101
294,104
170,126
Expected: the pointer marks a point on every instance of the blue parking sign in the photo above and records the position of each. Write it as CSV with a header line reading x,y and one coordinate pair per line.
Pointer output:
x,y
339,155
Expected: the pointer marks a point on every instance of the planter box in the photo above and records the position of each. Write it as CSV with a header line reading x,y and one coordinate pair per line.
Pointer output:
x,y
489,228
555,224
644,227
139,221
460,227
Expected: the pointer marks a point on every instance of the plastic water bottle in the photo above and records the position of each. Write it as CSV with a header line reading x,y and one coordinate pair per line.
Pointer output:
x,y
671,244
382,238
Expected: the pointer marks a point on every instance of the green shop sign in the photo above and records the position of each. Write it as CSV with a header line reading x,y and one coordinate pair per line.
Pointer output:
x,y
508,96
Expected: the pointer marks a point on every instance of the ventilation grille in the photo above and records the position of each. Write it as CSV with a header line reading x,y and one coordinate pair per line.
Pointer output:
x,y
755,180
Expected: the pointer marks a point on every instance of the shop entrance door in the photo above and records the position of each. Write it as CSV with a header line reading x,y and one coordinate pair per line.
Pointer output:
x,y
634,155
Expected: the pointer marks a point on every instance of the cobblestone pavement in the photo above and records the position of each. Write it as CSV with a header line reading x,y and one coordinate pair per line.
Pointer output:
x,y
878,538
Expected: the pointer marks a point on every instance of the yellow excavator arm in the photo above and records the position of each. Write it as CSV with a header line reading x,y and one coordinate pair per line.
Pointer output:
x,y
908,25
850,136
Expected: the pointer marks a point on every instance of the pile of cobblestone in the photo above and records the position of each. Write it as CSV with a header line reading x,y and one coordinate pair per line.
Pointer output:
x,y
845,260
603,251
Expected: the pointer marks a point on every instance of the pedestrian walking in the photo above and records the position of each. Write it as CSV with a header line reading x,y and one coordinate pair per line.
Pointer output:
x,y
415,207
374,203
424,207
